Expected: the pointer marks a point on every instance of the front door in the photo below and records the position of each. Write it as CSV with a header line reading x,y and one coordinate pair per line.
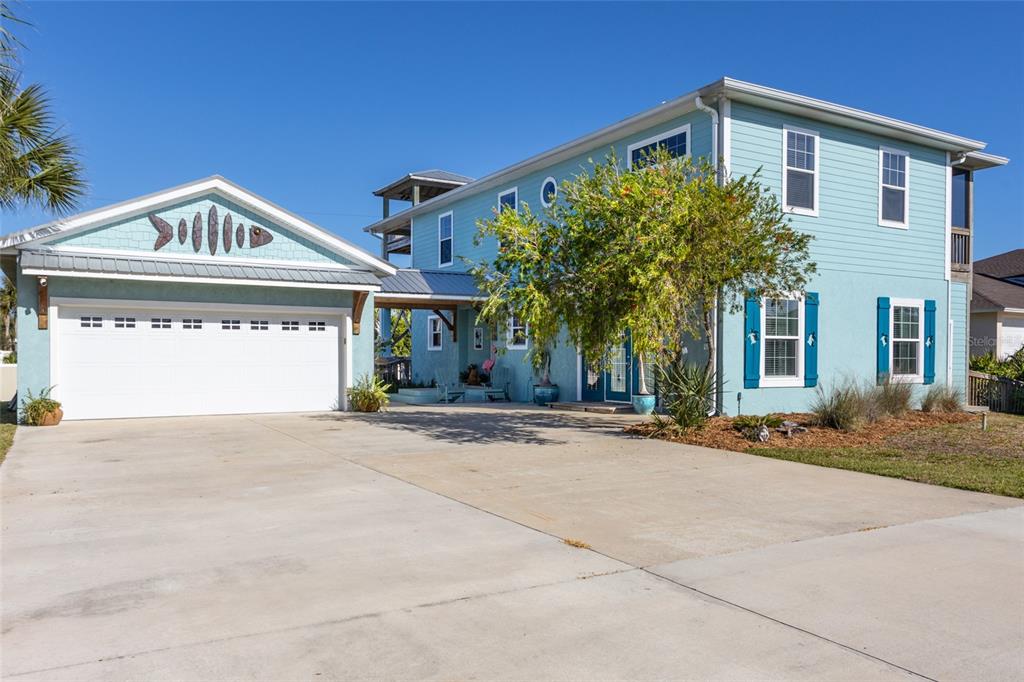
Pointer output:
x,y
615,383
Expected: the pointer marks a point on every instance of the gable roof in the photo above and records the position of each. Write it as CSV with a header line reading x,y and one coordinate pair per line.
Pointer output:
x,y
990,293
215,184
730,88
1003,265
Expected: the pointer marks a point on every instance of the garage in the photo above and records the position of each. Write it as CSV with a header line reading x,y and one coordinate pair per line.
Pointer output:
x,y
201,299
128,360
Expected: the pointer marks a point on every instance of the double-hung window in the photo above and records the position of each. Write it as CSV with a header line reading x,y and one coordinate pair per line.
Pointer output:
x,y
893,187
783,328
434,333
906,340
800,176
676,142
444,239
518,333
509,199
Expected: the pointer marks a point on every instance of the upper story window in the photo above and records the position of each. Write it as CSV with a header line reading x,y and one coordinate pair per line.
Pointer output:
x,y
893,187
960,213
509,199
434,334
676,142
800,179
444,239
548,191
518,333
907,342
782,333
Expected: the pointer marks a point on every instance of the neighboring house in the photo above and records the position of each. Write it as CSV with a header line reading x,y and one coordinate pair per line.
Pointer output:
x,y
200,299
888,204
997,305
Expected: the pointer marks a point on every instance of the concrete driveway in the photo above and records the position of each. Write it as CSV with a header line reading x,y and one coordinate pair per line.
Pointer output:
x,y
426,543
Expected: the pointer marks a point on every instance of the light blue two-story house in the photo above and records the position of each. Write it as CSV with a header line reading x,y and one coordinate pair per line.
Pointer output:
x,y
889,204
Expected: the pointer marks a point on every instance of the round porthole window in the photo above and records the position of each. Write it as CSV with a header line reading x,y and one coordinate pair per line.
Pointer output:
x,y
548,191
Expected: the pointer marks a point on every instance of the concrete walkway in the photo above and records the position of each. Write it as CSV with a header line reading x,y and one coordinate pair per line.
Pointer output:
x,y
426,543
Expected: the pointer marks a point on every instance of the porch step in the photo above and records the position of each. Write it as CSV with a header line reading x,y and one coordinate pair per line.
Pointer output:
x,y
600,408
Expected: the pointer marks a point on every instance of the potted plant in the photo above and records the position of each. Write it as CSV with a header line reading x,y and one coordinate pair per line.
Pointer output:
x,y
41,410
643,400
545,392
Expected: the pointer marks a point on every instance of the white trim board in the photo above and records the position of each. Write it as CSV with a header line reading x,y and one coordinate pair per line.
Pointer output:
x,y
799,210
43,272
661,136
70,250
212,185
882,222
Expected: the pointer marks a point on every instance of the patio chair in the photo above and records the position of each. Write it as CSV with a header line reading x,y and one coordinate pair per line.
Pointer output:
x,y
447,393
499,388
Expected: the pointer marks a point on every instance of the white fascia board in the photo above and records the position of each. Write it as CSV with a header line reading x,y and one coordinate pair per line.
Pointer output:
x,y
429,297
189,258
45,272
839,114
214,184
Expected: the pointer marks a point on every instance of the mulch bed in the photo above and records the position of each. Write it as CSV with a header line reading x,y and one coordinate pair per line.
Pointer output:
x,y
720,433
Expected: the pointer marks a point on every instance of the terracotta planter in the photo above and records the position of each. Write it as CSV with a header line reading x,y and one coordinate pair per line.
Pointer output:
x,y
52,418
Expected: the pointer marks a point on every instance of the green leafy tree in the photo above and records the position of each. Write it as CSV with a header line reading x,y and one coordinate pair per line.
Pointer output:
x,y
652,249
38,163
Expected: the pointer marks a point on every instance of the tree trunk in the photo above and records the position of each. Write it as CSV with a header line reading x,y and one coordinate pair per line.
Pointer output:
x,y
643,374
709,338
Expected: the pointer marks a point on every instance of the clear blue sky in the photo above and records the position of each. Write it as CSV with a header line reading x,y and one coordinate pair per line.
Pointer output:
x,y
315,105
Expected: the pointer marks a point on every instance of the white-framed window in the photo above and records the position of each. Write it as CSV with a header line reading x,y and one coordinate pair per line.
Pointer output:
x,y
800,158
87,321
160,323
191,323
259,325
435,337
124,323
518,333
906,340
508,199
782,325
548,191
893,187
317,326
676,142
478,338
445,240
231,324
290,325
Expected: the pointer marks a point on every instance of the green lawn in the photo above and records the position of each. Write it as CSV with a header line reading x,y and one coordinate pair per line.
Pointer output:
x,y
954,455
6,438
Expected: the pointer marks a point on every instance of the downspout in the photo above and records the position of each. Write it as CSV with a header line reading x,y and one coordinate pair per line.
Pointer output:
x,y
719,310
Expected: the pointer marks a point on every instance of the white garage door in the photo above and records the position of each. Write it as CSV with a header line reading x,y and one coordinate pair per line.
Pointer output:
x,y
170,360
1012,337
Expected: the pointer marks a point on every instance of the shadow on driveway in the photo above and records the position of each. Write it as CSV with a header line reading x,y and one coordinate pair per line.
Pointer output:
x,y
484,425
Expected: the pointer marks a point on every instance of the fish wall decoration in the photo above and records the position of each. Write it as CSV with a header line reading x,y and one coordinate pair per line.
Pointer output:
x,y
258,236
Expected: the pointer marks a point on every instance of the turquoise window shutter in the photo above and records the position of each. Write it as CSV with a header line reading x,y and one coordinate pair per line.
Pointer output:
x,y
752,344
882,339
929,342
811,339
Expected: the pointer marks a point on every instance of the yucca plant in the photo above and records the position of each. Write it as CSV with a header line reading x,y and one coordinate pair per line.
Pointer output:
x,y
688,394
369,394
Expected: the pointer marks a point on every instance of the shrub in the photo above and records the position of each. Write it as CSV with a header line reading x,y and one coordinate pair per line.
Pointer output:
x,y
1010,368
842,407
35,407
11,358
942,398
369,394
688,394
891,398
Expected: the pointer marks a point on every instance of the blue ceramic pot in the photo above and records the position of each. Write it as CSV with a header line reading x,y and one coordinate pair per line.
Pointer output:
x,y
542,395
644,404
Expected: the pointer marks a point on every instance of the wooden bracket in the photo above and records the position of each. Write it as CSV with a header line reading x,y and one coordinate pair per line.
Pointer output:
x,y
43,308
358,302
452,324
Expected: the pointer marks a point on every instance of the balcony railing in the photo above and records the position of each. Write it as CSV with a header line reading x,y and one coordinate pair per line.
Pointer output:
x,y
960,250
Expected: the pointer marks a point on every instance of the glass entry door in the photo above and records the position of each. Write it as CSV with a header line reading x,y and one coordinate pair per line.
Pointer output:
x,y
615,383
